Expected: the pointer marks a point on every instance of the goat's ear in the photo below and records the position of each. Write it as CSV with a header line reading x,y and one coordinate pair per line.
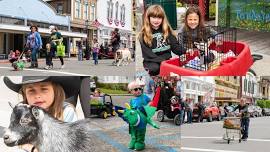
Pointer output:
x,y
11,105
37,113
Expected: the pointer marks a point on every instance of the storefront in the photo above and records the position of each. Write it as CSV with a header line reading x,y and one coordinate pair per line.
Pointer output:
x,y
245,14
16,16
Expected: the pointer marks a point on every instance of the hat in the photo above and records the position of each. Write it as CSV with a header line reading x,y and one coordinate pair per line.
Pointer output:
x,y
70,84
132,85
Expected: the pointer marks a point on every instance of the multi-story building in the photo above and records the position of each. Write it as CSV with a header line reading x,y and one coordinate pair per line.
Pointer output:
x,y
113,14
227,89
250,87
82,19
16,16
198,88
264,85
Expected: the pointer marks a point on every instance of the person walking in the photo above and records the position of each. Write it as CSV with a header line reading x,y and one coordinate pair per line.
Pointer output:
x,y
95,51
56,40
243,109
115,40
34,44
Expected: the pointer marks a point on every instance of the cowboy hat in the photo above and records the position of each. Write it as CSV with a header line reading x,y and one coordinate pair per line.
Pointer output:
x,y
70,84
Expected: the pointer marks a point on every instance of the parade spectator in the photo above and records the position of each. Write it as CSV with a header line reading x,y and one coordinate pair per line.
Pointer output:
x,y
34,44
182,110
95,50
243,109
56,40
80,51
150,88
115,39
189,110
157,39
49,55
201,108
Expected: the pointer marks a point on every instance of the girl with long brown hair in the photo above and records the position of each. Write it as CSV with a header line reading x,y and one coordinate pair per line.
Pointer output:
x,y
157,39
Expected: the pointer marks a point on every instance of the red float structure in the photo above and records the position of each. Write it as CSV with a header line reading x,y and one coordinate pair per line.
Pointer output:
x,y
230,66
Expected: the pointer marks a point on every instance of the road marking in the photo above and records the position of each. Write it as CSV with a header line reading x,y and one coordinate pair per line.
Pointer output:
x,y
208,150
49,71
249,139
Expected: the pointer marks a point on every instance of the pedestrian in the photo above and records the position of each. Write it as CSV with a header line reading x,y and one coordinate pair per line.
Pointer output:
x,y
189,110
200,111
182,111
194,30
140,100
47,93
115,40
34,44
95,51
49,56
157,39
56,40
243,109
80,51
150,88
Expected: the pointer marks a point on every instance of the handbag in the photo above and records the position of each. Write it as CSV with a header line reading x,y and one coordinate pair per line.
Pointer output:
x,y
60,49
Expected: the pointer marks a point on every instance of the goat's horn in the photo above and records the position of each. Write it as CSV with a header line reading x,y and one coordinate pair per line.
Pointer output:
x,y
10,104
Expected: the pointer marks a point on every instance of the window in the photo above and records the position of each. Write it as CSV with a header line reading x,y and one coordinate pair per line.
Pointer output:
x,y
85,11
108,9
116,10
59,8
245,85
93,12
78,9
122,13
249,86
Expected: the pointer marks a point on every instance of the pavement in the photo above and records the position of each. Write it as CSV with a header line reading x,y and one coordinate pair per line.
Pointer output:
x,y
72,67
208,137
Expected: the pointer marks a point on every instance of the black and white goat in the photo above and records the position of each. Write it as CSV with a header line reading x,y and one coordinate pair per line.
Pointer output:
x,y
32,125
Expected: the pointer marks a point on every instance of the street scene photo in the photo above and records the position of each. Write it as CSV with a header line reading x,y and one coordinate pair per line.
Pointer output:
x,y
52,37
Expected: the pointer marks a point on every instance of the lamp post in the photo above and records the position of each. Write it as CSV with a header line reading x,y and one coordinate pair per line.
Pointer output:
x,y
87,51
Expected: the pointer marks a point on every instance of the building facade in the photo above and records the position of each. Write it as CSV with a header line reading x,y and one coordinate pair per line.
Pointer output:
x,y
198,88
250,88
113,14
16,16
227,89
264,85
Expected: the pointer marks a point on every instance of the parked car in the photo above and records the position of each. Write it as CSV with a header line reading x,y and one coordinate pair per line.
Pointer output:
x,y
210,112
266,111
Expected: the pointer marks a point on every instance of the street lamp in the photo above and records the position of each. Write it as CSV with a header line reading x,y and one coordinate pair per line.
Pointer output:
x,y
87,51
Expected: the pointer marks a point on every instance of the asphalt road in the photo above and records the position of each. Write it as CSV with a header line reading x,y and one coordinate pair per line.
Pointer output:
x,y
72,67
207,137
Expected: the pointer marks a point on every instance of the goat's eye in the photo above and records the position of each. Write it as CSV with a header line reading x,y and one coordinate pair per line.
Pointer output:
x,y
25,121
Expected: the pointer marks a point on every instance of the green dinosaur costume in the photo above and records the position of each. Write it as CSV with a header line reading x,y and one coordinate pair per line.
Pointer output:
x,y
138,119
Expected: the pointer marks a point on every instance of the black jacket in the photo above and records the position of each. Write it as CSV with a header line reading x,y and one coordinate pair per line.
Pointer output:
x,y
160,49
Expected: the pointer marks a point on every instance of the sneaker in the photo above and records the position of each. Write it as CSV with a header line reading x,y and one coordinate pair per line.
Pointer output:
x,y
62,66
47,67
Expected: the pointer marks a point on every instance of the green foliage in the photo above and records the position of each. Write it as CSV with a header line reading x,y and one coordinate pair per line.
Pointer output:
x,y
110,91
263,103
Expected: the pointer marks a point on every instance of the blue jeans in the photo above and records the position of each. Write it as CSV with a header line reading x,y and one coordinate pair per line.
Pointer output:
x,y
34,52
80,55
245,126
189,116
182,113
95,57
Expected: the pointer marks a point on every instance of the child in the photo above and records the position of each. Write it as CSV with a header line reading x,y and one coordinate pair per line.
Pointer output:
x,y
12,56
49,54
96,98
157,39
47,93
140,100
194,31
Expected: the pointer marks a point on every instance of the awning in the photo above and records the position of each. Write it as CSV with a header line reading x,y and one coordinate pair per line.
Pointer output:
x,y
24,29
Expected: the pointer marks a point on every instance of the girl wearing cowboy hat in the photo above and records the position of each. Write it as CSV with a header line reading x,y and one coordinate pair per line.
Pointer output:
x,y
47,93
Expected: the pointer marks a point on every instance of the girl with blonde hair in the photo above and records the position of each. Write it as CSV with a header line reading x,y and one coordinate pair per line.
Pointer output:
x,y
157,39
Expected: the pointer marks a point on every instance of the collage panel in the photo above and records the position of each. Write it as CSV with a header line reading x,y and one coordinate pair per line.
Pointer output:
x,y
75,37
104,113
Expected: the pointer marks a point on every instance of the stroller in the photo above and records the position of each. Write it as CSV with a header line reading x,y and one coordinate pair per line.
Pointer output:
x,y
169,106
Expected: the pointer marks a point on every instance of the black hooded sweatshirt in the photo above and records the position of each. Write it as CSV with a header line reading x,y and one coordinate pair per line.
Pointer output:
x,y
160,49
